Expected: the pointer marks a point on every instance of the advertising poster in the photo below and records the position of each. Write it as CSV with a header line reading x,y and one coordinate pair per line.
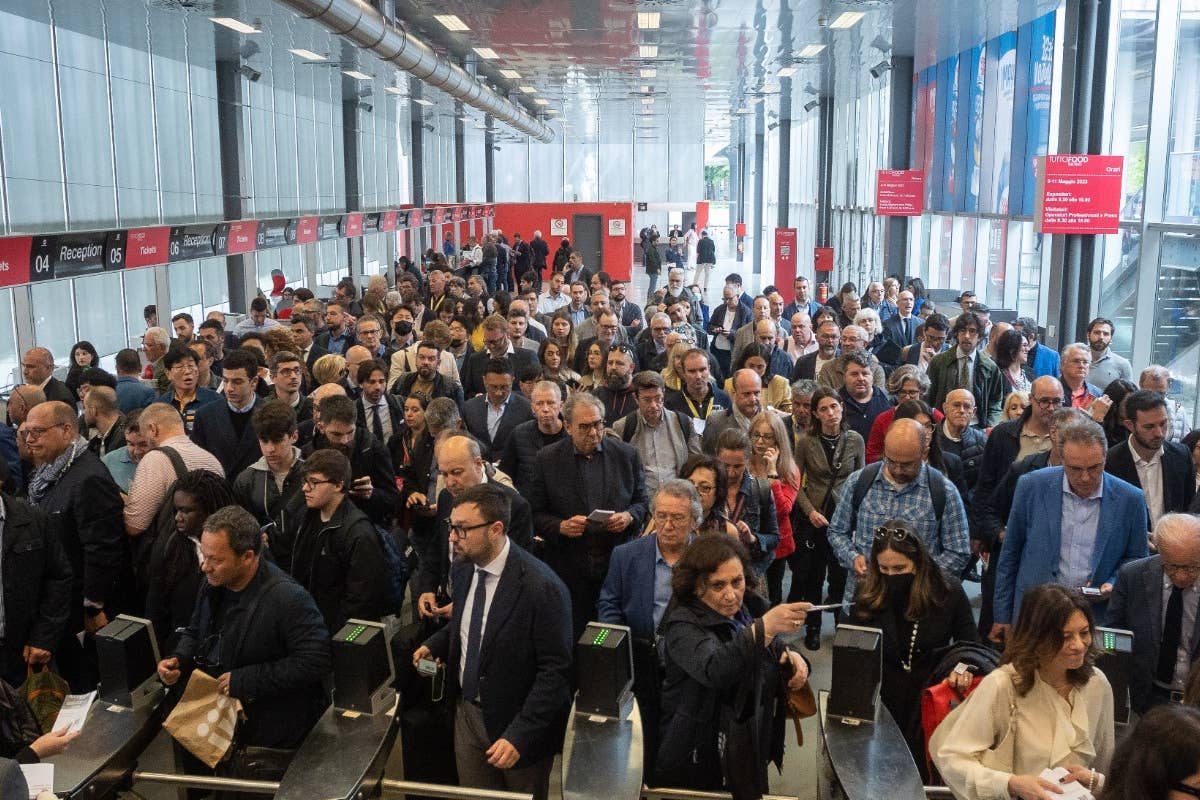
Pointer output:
x,y
1037,116
928,101
936,172
973,149
1000,129
950,153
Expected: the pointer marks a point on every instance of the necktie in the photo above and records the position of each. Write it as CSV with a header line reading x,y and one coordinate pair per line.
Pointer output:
x,y
470,681
904,327
377,424
964,374
1172,634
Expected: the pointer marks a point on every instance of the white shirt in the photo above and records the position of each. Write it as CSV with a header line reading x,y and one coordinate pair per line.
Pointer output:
x,y
549,303
494,415
1150,476
385,417
492,572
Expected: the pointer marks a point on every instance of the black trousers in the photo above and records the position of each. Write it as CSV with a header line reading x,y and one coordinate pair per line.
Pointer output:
x,y
811,563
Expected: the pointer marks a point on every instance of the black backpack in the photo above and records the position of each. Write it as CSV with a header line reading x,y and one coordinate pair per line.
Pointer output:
x,y
937,492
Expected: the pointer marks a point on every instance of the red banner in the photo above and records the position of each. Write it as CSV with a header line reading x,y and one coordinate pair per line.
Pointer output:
x,y
353,225
242,237
899,192
1079,193
785,256
387,221
14,260
147,247
739,229
306,229
823,259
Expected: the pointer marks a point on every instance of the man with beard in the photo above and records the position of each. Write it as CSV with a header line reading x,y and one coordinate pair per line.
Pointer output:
x,y
664,438
496,345
618,395
427,379
608,334
1160,468
810,366
373,480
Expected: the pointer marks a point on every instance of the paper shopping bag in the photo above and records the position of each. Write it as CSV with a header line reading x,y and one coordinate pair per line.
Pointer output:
x,y
204,721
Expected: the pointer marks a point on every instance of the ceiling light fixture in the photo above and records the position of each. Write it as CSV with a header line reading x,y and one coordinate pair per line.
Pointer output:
x,y
358,76
786,72
486,52
812,51
393,90
649,20
541,101
511,74
647,101
648,73
847,19
648,51
422,101
451,22
308,55
235,24
528,89
645,88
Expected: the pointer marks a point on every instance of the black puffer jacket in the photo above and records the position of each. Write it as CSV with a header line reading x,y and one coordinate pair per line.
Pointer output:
x,y
520,452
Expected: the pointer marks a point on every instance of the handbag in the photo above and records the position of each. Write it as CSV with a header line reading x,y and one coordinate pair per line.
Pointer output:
x,y
800,704
1002,755
18,726
45,691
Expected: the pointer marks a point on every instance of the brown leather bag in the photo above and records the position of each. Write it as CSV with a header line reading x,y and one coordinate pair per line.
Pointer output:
x,y
801,703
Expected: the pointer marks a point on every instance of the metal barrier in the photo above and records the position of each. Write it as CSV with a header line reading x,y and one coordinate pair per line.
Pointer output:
x,y
270,787
660,793
452,792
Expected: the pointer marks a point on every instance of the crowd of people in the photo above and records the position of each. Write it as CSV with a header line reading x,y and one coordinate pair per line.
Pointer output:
x,y
513,446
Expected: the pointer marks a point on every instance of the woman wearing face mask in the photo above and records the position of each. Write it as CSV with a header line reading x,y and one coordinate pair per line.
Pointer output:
x,y
905,595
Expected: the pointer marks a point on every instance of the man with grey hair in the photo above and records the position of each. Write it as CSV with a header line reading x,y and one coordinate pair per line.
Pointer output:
x,y
800,422
1075,365
1157,378
637,590
1073,525
664,438
1158,598
588,495
155,342
760,310
598,303
854,339
531,436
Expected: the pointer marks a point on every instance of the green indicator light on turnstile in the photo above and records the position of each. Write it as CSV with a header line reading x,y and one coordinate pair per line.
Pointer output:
x,y
1110,641
354,634
600,637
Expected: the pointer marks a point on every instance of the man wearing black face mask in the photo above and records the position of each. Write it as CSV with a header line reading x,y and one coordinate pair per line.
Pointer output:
x,y
402,328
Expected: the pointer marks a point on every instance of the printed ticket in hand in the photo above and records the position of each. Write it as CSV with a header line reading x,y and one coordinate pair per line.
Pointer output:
x,y
74,711
1071,790
600,516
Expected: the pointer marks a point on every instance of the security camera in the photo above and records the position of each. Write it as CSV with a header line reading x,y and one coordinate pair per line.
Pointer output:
x,y
879,69
811,104
250,73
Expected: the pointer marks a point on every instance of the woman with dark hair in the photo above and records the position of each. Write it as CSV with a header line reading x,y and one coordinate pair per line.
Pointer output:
x,y
723,666
597,367
175,559
1046,706
1192,442
1012,356
920,612
776,391
824,314
1161,758
948,464
411,449
709,479
1113,420
553,358
562,330
561,255
826,457
917,287
83,355
471,309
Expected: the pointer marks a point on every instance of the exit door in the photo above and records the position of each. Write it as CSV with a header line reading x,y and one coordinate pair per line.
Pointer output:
x,y
589,240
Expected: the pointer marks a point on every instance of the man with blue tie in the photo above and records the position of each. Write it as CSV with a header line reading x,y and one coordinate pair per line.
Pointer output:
x,y
901,327
1073,525
637,589
508,645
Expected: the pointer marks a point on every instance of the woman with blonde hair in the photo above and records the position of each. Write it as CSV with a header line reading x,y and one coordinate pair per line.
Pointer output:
x,y
329,368
1015,405
672,373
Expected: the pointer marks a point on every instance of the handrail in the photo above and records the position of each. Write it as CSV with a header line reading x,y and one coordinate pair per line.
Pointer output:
x,y
452,792
663,793
209,782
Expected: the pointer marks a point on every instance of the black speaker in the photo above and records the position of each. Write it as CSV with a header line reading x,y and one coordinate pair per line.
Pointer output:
x,y
857,672
604,659
128,658
362,668
1116,661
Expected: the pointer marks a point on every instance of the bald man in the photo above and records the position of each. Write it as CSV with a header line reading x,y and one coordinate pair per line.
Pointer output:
x,y
900,487
747,402
37,368
1164,643
957,435
306,428
23,398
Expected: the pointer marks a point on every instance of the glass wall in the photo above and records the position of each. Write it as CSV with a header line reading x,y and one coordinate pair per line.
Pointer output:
x,y
10,359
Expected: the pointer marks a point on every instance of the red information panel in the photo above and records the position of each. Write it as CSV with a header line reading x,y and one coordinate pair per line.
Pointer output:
x,y
14,260
785,256
899,192
823,259
306,229
353,225
147,247
1079,193
739,229
242,237
387,221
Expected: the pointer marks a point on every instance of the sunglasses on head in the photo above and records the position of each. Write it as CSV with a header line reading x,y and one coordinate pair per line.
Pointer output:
x,y
896,534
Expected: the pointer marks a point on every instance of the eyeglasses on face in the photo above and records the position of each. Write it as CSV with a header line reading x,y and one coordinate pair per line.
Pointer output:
x,y
674,520
461,531
1048,402
312,483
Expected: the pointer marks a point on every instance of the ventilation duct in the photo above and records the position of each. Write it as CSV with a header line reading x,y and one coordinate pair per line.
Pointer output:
x,y
367,28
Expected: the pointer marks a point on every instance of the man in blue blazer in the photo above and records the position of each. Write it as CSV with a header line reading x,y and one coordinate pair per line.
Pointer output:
x,y
512,679
1073,525
1141,603
637,590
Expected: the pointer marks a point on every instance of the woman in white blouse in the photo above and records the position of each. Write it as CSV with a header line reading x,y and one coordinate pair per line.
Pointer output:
x,y
1046,706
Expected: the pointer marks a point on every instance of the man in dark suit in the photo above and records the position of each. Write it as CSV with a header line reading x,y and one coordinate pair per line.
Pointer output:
x,y
829,339
491,417
373,480
1161,469
496,344
223,428
379,411
75,489
513,677
37,368
304,329
901,327
1155,598
573,478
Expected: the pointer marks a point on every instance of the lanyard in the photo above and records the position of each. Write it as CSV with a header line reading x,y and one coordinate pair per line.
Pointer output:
x,y
696,411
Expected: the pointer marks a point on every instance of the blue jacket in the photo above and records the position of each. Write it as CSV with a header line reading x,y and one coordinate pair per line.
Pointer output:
x,y
1044,361
627,597
1030,556
132,394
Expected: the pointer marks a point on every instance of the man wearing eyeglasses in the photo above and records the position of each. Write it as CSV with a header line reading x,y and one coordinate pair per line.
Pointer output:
x,y
966,366
957,435
590,326
1075,366
496,344
1073,525
73,487
1158,598
609,333
572,479
664,438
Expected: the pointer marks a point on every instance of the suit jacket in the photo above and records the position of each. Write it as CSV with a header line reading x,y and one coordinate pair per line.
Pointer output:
x,y
214,432
1178,483
314,353
524,656
57,390
806,367
1137,605
986,385
395,411
894,329
475,413
1030,556
476,363
627,597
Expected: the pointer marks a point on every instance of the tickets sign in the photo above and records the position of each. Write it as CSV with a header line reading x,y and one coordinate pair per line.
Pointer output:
x,y
899,192
1079,194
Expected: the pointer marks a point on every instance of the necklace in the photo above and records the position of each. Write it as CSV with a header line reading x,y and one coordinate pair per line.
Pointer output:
x,y
912,646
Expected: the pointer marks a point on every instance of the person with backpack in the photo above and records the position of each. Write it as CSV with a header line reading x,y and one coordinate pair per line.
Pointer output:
x,y
337,555
921,612
902,486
